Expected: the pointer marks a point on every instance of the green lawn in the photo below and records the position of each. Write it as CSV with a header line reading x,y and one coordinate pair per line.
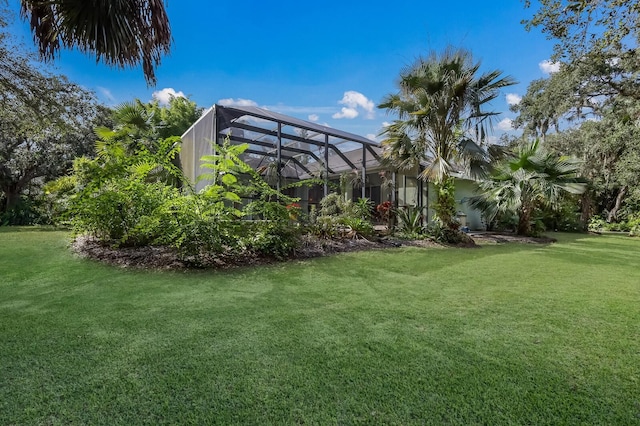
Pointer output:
x,y
508,334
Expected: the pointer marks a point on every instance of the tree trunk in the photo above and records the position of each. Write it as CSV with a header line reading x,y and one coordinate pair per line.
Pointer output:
x,y
524,221
11,198
586,209
613,213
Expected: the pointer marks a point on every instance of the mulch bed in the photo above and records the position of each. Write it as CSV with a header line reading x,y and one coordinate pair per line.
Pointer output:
x,y
166,258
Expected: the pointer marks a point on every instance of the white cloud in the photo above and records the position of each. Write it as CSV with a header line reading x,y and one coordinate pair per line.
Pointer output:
x,y
505,125
107,93
549,67
314,117
237,102
371,136
513,98
386,124
164,96
354,100
346,113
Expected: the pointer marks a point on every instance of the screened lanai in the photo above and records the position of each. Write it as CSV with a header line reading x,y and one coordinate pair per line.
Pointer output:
x,y
281,148
286,149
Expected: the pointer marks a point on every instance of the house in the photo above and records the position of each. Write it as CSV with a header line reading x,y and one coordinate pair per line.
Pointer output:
x,y
287,149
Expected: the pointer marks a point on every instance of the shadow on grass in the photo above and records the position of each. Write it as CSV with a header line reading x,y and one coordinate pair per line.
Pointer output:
x,y
33,228
599,250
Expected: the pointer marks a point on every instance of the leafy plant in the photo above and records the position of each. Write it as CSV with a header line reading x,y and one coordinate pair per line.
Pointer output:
x,y
409,221
439,233
343,218
356,226
525,182
445,205
634,225
363,208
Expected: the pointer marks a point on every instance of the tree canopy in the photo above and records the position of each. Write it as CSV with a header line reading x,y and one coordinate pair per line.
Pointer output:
x,y
524,181
595,95
597,39
119,32
441,103
42,147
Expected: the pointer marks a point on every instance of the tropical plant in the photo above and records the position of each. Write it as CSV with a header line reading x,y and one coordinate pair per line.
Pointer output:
x,y
342,218
526,181
121,33
363,208
440,106
409,221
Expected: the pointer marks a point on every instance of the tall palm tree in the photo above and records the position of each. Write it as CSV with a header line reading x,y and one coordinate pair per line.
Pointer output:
x,y
119,32
440,107
525,181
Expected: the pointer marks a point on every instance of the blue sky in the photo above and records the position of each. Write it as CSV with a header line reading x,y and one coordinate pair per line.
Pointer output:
x,y
330,62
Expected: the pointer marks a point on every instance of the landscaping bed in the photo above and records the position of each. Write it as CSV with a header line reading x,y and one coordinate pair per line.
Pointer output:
x,y
154,257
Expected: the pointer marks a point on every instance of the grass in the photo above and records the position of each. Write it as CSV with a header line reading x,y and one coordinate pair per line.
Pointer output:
x,y
505,334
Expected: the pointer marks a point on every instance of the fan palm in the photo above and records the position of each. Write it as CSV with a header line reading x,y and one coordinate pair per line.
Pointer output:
x,y
526,180
120,32
440,105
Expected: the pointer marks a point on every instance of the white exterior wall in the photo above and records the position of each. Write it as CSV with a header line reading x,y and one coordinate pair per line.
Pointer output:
x,y
465,189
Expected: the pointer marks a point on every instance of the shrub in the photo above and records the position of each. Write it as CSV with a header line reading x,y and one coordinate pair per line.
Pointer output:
x,y
634,224
596,224
358,226
410,221
272,239
121,211
340,218
437,232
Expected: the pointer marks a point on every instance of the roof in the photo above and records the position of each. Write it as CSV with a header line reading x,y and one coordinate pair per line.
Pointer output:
x,y
239,111
302,148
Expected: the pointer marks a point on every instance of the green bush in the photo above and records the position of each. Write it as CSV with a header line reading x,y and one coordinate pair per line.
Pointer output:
x,y
437,232
197,226
358,225
272,239
634,224
340,218
409,222
25,212
121,211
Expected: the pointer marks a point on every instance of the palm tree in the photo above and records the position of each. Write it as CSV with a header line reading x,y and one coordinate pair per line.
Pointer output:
x,y
119,32
525,181
440,108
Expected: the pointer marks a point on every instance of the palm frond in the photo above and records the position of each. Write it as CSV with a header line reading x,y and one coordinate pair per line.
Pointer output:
x,y
119,32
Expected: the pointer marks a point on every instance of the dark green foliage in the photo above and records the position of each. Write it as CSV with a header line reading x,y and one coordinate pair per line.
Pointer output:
x,y
597,39
127,196
631,225
272,239
122,33
23,212
122,211
409,222
526,181
596,46
36,147
565,217
439,233
445,205
341,218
